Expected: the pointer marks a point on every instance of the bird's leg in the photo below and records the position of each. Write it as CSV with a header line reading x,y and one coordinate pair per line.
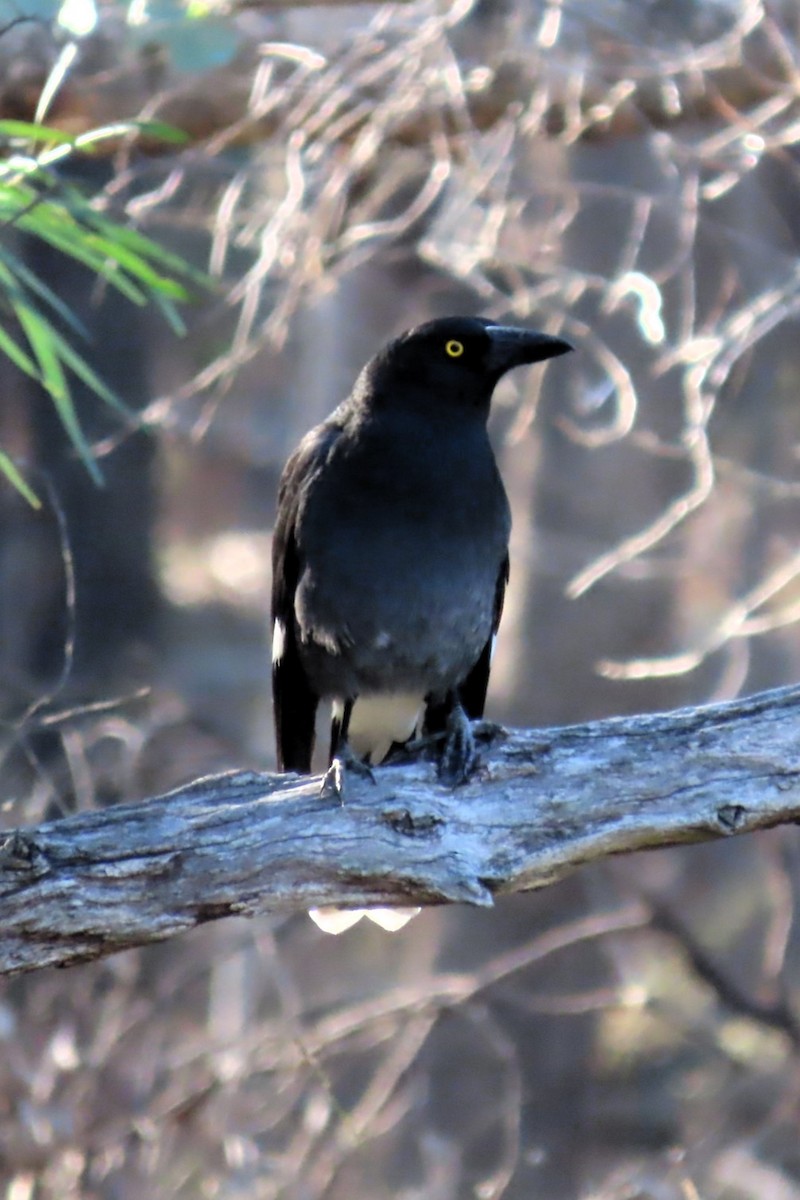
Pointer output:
x,y
459,757
342,759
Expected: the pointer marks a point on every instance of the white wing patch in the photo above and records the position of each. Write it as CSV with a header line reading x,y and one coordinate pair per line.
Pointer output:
x,y
278,641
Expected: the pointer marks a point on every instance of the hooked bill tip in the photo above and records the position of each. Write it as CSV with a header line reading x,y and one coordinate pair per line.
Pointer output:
x,y
515,347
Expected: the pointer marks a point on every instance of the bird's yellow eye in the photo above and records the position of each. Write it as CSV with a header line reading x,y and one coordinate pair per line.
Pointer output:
x,y
454,349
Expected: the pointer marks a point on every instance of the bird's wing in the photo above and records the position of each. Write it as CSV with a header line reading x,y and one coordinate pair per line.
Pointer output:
x,y
295,701
472,692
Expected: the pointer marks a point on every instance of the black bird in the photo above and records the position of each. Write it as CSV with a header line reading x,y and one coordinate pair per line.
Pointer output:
x,y
390,552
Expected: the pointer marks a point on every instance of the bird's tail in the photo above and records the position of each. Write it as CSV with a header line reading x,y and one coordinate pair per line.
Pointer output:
x,y
338,920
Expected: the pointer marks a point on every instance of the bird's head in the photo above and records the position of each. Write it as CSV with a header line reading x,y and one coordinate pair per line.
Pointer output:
x,y
453,359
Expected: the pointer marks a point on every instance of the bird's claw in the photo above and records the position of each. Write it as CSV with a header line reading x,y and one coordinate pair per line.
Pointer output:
x,y
332,786
334,781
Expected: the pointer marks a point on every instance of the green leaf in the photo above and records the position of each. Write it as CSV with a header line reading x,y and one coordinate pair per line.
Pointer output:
x,y
78,364
32,132
37,201
106,133
43,341
14,351
166,133
18,270
14,197
137,266
17,481
141,244
117,254
64,238
38,332
171,315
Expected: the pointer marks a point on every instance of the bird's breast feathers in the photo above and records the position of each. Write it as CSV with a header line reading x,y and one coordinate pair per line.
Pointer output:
x,y
401,528
368,624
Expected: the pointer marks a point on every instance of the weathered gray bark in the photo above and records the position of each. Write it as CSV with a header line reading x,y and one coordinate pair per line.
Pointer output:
x,y
543,802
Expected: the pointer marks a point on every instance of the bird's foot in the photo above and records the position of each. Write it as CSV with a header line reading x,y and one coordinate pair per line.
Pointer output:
x,y
414,748
488,731
459,757
334,781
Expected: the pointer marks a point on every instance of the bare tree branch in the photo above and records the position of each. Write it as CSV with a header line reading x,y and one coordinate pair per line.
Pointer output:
x,y
543,803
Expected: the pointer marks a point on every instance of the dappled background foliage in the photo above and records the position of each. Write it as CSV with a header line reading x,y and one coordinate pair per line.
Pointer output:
x,y
625,176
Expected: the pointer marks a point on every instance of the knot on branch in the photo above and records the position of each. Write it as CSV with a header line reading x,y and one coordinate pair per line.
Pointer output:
x,y
401,820
731,817
19,852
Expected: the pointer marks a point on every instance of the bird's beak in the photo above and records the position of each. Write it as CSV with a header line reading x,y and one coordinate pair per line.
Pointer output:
x,y
513,347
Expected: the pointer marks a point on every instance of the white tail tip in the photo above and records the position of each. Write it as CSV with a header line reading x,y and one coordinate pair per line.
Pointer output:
x,y
338,920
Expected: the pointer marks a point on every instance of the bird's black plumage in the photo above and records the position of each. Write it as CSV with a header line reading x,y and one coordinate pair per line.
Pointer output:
x,y
390,552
